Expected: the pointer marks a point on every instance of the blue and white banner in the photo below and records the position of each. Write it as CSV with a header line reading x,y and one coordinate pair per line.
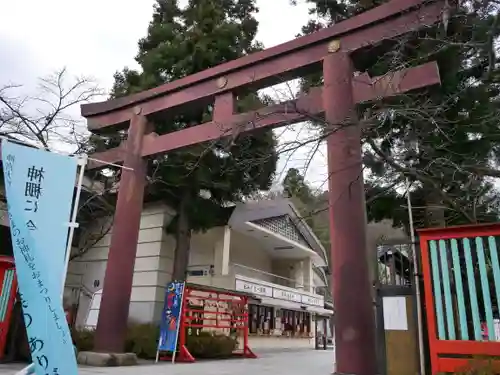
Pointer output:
x,y
39,189
171,317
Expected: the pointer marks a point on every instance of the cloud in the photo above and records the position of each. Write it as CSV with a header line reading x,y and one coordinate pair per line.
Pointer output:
x,y
98,37
16,62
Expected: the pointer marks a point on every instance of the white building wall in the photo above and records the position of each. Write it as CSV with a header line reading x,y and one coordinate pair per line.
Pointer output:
x,y
153,266
203,245
249,253
246,257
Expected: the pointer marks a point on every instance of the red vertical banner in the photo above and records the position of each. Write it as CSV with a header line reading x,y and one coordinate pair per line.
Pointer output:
x,y
7,298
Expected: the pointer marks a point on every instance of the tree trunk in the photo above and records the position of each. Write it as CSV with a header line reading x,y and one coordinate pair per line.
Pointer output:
x,y
183,241
434,210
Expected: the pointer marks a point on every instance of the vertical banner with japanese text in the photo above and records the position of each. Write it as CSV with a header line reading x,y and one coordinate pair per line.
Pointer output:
x,y
39,189
171,317
43,184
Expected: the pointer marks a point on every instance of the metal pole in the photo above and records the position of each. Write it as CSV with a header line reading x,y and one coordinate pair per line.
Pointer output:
x,y
30,369
316,344
179,322
416,281
157,358
82,162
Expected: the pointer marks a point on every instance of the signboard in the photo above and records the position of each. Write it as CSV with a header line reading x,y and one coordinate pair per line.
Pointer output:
x,y
395,317
39,189
313,301
170,317
286,295
259,289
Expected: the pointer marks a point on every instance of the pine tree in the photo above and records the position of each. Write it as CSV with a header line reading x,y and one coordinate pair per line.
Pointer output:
x,y
180,42
294,185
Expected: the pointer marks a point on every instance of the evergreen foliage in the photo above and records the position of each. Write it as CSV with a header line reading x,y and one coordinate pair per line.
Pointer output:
x,y
443,139
180,42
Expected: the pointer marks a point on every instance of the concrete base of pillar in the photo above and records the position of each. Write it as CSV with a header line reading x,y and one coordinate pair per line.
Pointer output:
x,y
106,359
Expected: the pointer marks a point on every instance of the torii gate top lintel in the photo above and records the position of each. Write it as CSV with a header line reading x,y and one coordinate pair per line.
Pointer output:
x,y
277,64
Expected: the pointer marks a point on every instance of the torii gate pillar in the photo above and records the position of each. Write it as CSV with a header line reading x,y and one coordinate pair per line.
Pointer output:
x,y
354,317
126,224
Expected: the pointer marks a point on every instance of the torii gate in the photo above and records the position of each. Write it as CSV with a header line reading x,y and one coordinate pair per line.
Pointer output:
x,y
329,48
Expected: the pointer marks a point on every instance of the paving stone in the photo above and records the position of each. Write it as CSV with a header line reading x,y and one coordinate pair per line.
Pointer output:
x,y
106,359
303,362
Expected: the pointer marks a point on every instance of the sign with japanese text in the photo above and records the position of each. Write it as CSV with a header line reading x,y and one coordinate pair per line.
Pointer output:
x,y
313,301
257,287
39,189
43,183
260,290
286,295
171,316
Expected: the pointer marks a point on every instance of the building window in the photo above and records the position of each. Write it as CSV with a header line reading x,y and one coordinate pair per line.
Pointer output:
x,y
261,319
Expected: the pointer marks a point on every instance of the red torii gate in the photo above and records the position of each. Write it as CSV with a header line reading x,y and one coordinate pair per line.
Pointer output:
x,y
330,49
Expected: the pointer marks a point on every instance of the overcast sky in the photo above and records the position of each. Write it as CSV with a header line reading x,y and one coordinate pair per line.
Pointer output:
x,y
97,37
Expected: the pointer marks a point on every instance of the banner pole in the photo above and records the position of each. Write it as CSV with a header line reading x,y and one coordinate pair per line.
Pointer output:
x,y
30,369
159,339
179,322
82,162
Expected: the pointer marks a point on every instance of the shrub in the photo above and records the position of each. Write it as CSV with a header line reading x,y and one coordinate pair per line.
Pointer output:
x,y
83,339
142,339
210,345
480,366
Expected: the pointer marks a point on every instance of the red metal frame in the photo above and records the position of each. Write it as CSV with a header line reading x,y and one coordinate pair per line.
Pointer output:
x,y
442,351
7,263
192,292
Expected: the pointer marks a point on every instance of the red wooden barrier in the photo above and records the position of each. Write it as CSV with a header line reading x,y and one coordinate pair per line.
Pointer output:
x,y
7,298
214,310
451,355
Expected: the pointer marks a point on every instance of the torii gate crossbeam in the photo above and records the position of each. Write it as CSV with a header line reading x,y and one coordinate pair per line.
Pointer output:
x,y
330,49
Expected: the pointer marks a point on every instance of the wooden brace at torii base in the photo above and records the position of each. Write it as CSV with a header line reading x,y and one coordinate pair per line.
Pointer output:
x,y
329,48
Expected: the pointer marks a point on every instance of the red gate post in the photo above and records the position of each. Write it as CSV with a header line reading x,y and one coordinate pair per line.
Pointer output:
x,y
113,313
355,319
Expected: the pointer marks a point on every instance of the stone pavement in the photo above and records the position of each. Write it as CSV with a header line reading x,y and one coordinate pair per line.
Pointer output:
x,y
303,362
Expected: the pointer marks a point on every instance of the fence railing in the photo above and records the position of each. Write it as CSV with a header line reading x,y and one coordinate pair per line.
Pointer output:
x,y
271,277
395,264
203,270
